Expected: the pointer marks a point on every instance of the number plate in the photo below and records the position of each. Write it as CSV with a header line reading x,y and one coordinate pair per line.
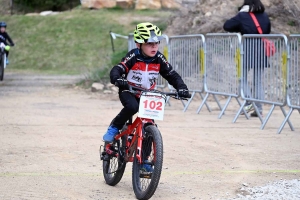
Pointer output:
x,y
152,106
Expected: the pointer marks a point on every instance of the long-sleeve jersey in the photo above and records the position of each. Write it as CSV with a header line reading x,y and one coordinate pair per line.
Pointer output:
x,y
141,71
4,37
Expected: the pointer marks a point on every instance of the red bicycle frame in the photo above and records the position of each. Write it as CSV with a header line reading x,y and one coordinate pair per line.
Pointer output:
x,y
136,129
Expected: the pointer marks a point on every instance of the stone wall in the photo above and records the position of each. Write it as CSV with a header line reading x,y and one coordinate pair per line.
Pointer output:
x,y
137,4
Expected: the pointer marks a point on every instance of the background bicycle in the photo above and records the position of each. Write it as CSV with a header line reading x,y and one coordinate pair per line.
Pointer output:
x,y
3,47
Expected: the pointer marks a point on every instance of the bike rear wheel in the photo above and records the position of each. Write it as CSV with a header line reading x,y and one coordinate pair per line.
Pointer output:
x,y
2,63
145,183
114,165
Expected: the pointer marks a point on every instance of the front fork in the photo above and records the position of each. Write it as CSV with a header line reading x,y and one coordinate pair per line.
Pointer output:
x,y
141,135
138,153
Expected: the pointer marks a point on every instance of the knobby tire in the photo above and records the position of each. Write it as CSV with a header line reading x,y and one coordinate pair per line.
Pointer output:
x,y
144,188
2,67
113,169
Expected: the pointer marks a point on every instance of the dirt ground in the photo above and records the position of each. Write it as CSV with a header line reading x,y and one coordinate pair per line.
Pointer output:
x,y
51,132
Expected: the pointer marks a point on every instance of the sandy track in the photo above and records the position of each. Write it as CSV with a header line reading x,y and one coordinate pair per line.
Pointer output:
x,y
51,132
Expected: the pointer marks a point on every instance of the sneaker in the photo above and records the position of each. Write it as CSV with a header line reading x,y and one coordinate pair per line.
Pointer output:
x,y
147,167
248,108
254,114
110,134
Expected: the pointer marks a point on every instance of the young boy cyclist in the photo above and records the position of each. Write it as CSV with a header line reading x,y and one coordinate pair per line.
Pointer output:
x,y
141,67
4,37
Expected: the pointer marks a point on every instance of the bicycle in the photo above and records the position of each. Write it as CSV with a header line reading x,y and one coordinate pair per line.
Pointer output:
x,y
139,142
3,47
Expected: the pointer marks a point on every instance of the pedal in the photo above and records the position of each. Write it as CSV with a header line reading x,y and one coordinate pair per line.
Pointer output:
x,y
110,151
104,156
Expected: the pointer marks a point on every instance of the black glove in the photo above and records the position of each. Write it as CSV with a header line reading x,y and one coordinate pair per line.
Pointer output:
x,y
122,84
12,44
184,93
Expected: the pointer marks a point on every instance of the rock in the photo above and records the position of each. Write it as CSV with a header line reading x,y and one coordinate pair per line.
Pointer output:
x,y
208,14
48,12
45,13
245,184
97,87
107,91
139,4
147,4
32,14
115,89
109,85
97,4
125,3
170,4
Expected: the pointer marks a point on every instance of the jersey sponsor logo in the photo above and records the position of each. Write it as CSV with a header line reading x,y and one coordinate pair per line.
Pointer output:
x,y
163,59
153,73
137,78
137,73
129,57
152,80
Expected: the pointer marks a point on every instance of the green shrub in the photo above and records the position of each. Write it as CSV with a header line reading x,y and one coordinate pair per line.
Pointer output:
x,y
38,5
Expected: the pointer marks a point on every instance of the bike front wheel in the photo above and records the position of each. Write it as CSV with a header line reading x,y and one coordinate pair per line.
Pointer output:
x,y
114,164
146,179
2,63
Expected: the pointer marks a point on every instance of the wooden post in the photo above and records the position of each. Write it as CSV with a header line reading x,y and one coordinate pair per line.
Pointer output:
x,y
11,6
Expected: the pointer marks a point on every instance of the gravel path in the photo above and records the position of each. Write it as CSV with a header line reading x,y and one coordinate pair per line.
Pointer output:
x,y
279,190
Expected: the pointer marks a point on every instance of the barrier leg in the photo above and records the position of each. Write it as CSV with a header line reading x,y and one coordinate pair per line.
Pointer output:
x,y
219,105
241,109
289,122
225,106
267,117
189,101
208,108
285,120
203,102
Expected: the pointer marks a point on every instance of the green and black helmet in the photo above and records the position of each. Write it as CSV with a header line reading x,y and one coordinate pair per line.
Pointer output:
x,y
147,32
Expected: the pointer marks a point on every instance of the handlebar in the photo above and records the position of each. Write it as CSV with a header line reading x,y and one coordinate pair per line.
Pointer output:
x,y
134,90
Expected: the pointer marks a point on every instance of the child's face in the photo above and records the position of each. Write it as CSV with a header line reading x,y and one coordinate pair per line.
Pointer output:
x,y
2,29
149,49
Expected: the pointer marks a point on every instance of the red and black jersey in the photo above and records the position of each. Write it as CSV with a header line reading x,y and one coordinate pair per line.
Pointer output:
x,y
141,71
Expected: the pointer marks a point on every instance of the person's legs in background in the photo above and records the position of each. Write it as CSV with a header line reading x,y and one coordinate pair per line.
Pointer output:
x,y
259,93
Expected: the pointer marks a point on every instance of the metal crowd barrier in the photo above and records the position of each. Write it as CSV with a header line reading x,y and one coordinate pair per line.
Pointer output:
x,y
236,66
187,56
222,67
264,78
293,76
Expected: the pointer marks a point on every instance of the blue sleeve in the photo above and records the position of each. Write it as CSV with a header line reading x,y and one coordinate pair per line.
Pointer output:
x,y
232,25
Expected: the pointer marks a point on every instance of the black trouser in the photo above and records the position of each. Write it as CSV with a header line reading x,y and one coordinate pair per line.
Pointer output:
x,y
131,106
